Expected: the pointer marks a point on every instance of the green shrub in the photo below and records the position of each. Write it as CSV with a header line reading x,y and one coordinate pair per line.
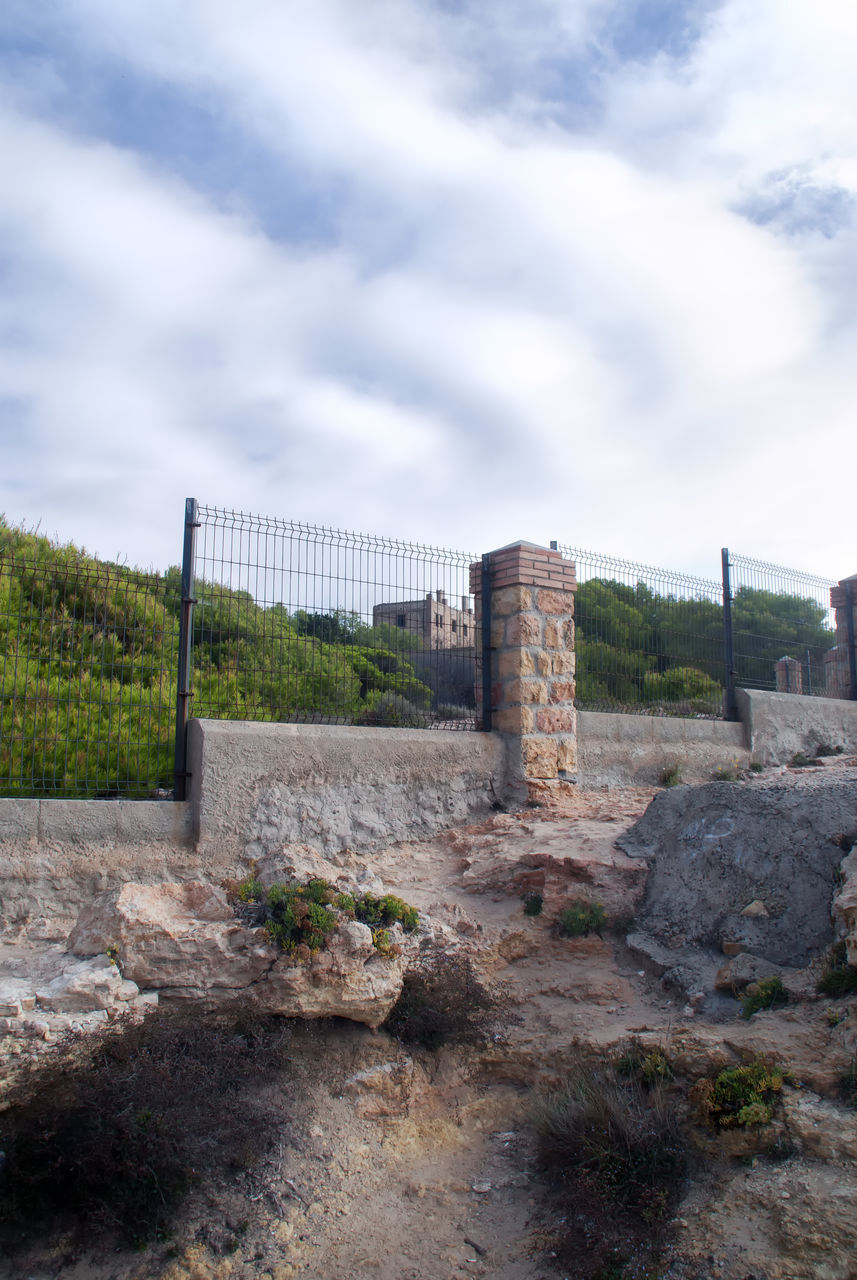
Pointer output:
x,y
738,1096
580,918
671,776
105,1136
839,977
533,903
800,760
649,1066
443,1002
300,918
767,993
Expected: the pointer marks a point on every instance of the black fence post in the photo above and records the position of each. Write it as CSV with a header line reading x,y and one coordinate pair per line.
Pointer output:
x,y
183,692
852,650
486,643
730,706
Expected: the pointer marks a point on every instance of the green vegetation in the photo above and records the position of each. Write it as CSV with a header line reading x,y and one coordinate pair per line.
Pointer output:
x,y
767,993
299,918
649,1066
640,649
88,661
738,1096
839,977
580,918
671,776
533,903
105,1136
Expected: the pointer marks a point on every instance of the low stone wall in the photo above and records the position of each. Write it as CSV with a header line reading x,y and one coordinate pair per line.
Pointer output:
x,y
256,787
615,749
780,724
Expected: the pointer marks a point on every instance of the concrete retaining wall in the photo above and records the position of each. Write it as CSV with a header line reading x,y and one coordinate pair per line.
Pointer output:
x,y
255,787
56,854
780,724
615,749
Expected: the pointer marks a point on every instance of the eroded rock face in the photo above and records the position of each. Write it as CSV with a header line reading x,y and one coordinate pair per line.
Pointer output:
x,y
845,905
185,942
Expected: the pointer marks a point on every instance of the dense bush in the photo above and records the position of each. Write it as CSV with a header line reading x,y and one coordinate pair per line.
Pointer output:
x,y
443,1002
106,1135
615,1156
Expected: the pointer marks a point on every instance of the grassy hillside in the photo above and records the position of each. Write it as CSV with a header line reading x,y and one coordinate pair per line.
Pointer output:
x,y
88,659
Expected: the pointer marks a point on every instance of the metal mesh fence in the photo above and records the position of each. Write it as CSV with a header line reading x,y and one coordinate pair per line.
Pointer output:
x,y
648,640
87,664
296,622
783,628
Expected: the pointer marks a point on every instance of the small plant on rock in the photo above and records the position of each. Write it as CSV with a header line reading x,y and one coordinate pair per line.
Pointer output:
x,y
738,1096
767,993
299,919
649,1066
671,776
839,977
533,903
580,918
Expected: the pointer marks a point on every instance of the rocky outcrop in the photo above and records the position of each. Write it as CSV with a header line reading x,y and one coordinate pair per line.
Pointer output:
x,y
754,867
185,942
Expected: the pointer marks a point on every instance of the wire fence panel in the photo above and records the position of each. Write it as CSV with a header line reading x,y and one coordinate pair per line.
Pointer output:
x,y
783,628
300,623
87,664
648,640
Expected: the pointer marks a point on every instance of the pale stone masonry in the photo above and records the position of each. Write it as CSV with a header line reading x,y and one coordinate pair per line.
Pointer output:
x,y
532,663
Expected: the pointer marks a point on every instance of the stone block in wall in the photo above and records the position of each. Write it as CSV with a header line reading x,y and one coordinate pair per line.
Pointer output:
x,y
539,756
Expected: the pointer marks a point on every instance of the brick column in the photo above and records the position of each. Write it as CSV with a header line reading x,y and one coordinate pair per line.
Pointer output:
x,y
532,664
842,661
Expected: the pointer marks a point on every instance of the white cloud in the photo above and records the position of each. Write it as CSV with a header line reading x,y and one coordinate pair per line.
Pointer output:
x,y
516,329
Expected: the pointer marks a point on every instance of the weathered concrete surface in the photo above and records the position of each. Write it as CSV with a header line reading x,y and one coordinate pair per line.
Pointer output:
x,y
615,749
257,787
716,849
780,724
55,855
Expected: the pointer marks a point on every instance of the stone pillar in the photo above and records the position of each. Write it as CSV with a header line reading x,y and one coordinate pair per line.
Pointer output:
x,y
789,675
843,663
532,664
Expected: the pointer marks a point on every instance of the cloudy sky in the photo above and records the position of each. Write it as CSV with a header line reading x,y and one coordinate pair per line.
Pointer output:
x,y
448,270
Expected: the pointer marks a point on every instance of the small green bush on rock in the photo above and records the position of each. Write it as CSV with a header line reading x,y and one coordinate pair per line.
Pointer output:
x,y
767,993
300,918
580,918
738,1096
839,977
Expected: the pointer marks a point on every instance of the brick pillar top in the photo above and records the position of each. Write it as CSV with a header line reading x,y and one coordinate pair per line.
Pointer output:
x,y
529,565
